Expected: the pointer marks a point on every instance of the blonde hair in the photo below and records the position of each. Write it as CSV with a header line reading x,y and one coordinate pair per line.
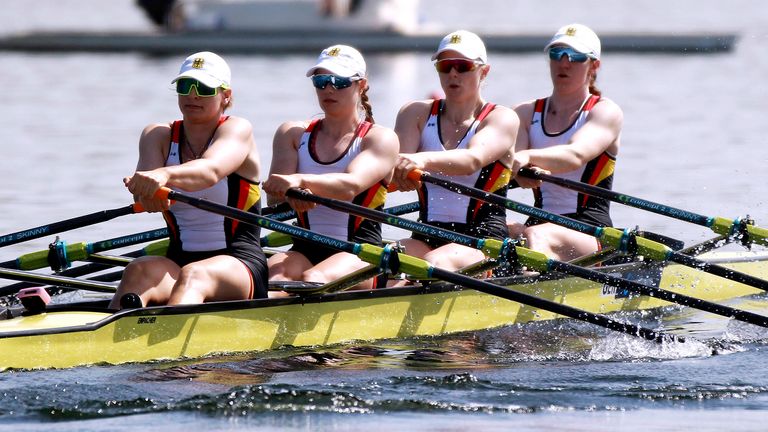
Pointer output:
x,y
592,82
366,105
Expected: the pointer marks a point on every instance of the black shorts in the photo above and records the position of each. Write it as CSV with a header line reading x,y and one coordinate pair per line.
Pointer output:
x,y
252,257
491,228
315,253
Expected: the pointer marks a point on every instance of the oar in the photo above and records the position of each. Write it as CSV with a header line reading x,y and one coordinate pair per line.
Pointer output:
x,y
283,211
63,254
69,224
279,239
63,281
720,225
156,248
401,263
532,259
622,240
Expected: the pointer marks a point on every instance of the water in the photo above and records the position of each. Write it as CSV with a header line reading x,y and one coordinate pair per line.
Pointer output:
x,y
693,138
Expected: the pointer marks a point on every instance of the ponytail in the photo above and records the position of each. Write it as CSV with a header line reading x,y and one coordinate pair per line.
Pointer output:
x,y
592,86
366,105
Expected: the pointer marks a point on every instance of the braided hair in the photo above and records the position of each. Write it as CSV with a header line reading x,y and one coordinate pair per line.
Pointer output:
x,y
366,105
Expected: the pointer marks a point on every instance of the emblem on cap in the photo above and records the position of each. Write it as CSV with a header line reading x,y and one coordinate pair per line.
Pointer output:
x,y
334,52
198,63
571,31
456,39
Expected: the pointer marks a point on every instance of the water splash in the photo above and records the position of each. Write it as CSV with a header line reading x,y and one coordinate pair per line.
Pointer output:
x,y
616,346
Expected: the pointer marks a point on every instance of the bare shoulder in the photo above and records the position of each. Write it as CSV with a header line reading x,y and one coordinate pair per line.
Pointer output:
x,y
382,135
156,130
154,136
292,127
607,104
238,123
415,110
289,134
608,110
525,109
505,114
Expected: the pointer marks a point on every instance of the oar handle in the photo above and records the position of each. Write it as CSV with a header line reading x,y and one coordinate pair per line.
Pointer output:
x,y
414,175
163,193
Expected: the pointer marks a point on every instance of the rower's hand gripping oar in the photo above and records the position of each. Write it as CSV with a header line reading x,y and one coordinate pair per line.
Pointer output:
x,y
531,259
743,228
401,263
611,237
69,224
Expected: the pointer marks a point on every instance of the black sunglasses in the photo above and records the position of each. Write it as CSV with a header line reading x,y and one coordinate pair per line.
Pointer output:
x,y
338,82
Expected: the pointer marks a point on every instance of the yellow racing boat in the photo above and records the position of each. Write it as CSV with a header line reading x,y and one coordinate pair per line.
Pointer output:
x,y
86,333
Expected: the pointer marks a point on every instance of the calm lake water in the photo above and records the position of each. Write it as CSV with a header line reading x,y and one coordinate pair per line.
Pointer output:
x,y
693,138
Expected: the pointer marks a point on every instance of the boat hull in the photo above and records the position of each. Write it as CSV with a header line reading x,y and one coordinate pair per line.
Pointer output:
x,y
84,335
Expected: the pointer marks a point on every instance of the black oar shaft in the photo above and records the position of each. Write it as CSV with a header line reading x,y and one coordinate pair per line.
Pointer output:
x,y
620,198
65,225
262,221
21,275
720,225
513,205
672,297
560,309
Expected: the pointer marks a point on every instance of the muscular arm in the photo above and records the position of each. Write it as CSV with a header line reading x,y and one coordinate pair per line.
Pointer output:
x,y
599,133
231,145
229,149
374,163
285,158
410,119
494,140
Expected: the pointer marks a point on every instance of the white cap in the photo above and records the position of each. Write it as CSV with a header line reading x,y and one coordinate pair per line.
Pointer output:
x,y
341,60
465,43
206,67
579,37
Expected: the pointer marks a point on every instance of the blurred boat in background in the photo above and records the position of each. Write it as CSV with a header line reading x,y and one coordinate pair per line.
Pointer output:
x,y
300,26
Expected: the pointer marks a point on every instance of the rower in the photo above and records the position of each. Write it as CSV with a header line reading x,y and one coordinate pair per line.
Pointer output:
x,y
461,137
573,133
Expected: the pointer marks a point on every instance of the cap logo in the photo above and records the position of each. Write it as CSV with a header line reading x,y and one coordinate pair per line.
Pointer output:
x,y
455,39
198,63
334,52
570,31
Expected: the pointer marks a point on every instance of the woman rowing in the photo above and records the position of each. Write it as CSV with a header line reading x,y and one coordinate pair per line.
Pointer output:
x,y
574,133
344,156
462,138
209,155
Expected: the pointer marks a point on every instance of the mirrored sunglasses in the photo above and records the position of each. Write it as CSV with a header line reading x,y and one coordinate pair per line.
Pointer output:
x,y
338,82
184,88
557,52
461,65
